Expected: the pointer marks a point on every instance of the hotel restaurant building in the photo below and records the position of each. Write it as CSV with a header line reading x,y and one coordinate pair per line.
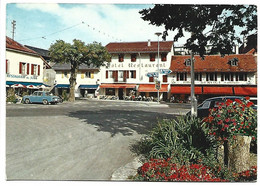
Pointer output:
x,y
131,62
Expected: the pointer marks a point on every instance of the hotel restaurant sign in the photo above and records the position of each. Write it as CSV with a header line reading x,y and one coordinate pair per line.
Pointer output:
x,y
21,76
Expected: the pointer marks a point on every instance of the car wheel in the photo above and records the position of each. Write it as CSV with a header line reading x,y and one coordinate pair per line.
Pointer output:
x,y
45,102
27,101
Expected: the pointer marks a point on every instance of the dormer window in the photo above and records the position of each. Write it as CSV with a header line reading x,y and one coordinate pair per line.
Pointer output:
x,y
120,57
152,57
233,61
133,57
188,62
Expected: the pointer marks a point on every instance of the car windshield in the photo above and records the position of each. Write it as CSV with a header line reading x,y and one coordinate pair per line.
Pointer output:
x,y
206,104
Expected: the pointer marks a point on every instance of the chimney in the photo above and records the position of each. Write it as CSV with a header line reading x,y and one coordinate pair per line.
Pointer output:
x,y
237,49
149,43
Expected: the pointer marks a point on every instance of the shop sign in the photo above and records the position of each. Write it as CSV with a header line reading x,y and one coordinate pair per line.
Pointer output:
x,y
20,76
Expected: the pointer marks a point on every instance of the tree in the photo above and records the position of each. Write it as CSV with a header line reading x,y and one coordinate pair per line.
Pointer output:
x,y
76,54
216,25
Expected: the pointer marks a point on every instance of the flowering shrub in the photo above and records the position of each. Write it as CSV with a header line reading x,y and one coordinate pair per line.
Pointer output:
x,y
165,170
231,118
248,175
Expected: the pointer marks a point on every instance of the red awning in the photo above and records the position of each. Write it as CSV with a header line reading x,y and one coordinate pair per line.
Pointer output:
x,y
185,90
117,85
151,88
218,90
245,91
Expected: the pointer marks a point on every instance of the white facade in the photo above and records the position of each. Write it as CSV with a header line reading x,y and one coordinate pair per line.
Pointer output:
x,y
25,74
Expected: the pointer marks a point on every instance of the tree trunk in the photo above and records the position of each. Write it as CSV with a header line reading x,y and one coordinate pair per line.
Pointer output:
x,y
239,154
73,77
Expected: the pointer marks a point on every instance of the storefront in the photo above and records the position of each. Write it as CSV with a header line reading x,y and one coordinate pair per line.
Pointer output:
x,y
149,90
119,90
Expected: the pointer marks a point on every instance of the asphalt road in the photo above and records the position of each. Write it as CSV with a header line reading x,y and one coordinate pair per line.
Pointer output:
x,y
84,140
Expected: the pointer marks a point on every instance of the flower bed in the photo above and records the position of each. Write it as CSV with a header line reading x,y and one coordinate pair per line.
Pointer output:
x,y
165,170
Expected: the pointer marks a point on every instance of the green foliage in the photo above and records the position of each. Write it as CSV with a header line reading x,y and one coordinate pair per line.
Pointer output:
x,y
10,97
184,137
209,24
64,95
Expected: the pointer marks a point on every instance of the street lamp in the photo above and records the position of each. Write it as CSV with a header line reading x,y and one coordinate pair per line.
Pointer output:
x,y
158,97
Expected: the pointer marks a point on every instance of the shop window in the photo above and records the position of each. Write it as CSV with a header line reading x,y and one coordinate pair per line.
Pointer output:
x,y
110,91
152,57
133,57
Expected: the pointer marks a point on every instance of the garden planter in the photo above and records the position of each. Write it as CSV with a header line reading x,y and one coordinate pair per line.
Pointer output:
x,y
239,153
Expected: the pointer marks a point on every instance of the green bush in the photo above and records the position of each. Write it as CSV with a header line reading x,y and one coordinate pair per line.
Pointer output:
x,y
185,136
10,97
64,95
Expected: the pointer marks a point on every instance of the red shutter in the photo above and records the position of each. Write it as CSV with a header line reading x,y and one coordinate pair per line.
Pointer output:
x,y
32,69
127,74
150,79
245,76
20,67
107,74
124,75
28,68
177,76
134,75
200,76
39,69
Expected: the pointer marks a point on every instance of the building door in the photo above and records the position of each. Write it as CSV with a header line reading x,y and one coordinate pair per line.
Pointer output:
x,y
120,93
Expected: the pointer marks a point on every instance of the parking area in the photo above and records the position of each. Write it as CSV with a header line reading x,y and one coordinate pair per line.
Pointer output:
x,y
84,140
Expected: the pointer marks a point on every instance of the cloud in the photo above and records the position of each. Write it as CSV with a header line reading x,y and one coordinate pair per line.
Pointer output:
x,y
102,22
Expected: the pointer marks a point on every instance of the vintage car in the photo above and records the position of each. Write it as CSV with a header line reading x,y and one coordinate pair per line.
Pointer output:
x,y
41,97
203,108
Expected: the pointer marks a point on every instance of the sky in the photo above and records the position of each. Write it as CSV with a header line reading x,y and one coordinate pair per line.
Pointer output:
x,y
40,25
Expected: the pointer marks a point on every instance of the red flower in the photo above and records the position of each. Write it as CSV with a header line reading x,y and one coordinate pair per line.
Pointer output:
x,y
247,97
228,102
227,120
249,104
238,101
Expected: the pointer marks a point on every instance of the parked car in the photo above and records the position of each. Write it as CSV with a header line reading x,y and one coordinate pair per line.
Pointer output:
x,y
203,108
41,97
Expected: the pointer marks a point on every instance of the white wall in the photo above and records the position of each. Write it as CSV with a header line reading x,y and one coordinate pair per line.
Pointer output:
x,y
14,58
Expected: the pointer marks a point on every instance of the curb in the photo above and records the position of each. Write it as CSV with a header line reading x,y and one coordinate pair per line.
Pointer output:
x,y
130,169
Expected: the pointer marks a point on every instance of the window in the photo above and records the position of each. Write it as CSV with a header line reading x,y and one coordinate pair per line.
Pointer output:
x,y
120,57
206,104
110,91
39,94
182,76
133,57
34,69
227,77
163,57
165,78
198,76
22,67
242,77
187,62
66,74
211,76
132,74
150,79
120,74
233,61
87,74
152,57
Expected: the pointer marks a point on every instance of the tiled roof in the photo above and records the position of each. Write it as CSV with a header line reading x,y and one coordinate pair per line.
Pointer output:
x,y
246,63
11,44
131,47
67,66
43,52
